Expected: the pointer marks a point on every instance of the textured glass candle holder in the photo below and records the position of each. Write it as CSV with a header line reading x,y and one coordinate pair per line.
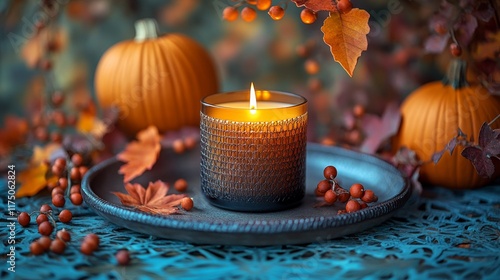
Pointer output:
x,y
253,160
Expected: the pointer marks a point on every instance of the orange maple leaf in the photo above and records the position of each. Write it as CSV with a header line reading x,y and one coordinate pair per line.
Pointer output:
x,y
32,180
153,199
14,133
346,36
141,155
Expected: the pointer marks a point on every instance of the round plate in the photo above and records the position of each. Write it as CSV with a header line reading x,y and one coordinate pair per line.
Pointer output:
x,y
207,224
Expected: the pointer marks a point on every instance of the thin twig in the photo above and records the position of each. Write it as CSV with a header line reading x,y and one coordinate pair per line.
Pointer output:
x,y
494,120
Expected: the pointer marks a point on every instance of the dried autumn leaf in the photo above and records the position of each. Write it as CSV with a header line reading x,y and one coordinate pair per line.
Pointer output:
x,y
316,5
36,46
140,155
154,199
47,153
32,180
346,36
378,129
14,133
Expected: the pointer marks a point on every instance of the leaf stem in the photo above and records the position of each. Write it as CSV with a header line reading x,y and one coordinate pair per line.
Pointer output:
x,y
494,120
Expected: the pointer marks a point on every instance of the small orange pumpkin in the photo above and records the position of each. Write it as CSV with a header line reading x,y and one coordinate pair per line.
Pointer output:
x,y
431,116
155,80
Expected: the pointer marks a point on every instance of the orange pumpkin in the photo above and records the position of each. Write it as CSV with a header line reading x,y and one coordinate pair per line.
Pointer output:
x,y
431,116
155,80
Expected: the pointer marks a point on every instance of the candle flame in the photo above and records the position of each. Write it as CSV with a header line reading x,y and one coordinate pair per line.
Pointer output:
x,y
253,99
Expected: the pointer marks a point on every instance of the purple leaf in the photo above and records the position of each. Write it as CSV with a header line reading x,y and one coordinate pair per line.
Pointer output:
x,y
483,165
484,11
450,147
488,141
377,130
465,28
436,43
460,133
437,156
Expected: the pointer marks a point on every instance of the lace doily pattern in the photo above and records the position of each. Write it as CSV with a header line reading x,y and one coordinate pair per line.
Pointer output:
x,y
443,235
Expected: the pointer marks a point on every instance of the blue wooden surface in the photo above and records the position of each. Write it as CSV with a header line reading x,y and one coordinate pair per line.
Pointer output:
x,y
443,235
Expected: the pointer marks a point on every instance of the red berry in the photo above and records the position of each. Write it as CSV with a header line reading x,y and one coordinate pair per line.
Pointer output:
x,y
352,206
24,219
36,249
368,196
330,197
83,170
248,14
358,111
57,170
57,98
263,4
57,246
344,196
41,218
308,16
75,174
45,228
344,6
87,248
77,159
65,216
60,162
76,198
181,185
63,183
58,200
330,172
45,242
276,12
230,13
455,49
75,189
311,66
187,203
357,190
323,186
57,190
123,257
93,238
64,235
440,28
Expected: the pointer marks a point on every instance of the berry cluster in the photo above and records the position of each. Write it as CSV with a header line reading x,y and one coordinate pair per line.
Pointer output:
x,y
67,174
46,225
276,12
352,130
355,199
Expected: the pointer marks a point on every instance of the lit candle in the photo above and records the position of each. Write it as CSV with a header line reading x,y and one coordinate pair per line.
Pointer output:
x,y
253,147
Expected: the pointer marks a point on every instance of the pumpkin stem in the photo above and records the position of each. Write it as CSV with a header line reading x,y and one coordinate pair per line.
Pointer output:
x,y
456,76
146,29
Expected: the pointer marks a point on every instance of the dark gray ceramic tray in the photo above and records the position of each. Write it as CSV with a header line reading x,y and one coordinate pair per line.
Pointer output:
x,y
210,225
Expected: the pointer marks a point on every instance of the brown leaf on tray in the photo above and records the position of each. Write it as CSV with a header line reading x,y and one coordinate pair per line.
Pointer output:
x,y
153,199
346,36
140,155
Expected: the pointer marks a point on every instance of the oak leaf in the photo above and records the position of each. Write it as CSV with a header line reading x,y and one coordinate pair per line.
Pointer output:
x,y
346,36
316,5
14,133
140,155
153,199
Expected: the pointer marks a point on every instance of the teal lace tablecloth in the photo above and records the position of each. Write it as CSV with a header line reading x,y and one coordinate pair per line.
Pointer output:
x,y
443,235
